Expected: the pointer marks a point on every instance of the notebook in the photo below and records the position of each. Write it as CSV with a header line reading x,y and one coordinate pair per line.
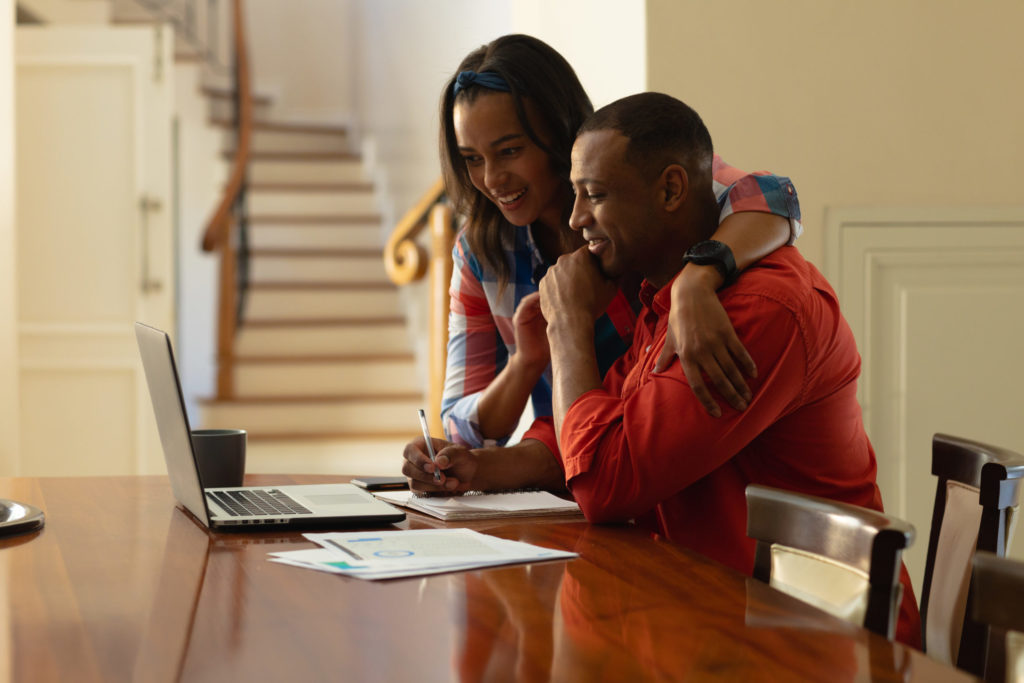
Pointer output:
x,y
476,505
224,508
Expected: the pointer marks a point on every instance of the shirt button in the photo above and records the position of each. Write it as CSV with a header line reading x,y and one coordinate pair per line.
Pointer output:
x,y
648,349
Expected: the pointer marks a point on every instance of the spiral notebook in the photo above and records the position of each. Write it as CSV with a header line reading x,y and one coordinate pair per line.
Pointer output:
x,y
475,505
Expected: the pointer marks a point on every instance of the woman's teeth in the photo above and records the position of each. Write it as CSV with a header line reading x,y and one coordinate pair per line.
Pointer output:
x,y
509,198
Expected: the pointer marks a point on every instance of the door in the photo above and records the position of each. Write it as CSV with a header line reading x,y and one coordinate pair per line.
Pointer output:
x,y
934,299
93,118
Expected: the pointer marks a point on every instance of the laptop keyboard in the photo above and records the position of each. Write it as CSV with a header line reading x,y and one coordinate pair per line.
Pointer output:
x,y
257,502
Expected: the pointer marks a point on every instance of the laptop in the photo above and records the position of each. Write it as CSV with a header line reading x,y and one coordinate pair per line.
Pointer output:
x,y
246,508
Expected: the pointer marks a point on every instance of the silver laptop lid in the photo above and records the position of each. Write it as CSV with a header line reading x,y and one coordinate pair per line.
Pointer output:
x,y
171,418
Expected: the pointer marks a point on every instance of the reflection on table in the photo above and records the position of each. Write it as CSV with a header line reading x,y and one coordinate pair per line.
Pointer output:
x,y
122,585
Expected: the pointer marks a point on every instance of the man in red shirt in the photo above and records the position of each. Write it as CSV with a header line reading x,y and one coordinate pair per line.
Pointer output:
x,y
639,445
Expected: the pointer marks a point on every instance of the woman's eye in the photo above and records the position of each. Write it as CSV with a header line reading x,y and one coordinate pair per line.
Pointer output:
x,y
472,159
510,151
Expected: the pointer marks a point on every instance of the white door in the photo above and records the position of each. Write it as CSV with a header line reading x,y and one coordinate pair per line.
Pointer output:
x,y
934,299
93,119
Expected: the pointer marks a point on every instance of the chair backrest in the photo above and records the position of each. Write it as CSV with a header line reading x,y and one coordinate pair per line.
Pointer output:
x,y
998,603
842,558
979,487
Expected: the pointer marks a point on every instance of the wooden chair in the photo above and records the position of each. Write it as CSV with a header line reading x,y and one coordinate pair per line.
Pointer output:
x,y
841,558
979,487
997,589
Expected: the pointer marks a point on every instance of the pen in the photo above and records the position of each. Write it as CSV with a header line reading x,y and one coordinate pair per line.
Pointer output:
x,y
430,445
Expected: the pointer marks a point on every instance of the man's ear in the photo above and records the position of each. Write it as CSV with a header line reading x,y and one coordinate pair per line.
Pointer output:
x,y
675,185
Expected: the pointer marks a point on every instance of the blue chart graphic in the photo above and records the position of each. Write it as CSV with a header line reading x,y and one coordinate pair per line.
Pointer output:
x,y
393,553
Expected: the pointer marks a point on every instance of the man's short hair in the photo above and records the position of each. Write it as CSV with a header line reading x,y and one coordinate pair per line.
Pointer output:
x,y
661,131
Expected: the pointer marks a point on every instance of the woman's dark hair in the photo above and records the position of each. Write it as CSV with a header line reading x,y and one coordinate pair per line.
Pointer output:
x,y
533,71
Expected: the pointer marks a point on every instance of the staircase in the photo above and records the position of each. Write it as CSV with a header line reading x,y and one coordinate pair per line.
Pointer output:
x,y
322,352
324,377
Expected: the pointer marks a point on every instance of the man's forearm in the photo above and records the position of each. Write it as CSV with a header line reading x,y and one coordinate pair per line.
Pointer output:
x,y
573,364
528,464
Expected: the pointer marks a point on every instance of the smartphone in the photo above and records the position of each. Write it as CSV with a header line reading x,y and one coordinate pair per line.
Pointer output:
x,y
381,483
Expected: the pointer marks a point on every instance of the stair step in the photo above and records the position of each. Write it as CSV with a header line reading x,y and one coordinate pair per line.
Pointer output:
x,y
274,138
312,266
310,219
319,156
327,452
315,340
299,187
315,235
289,417
274,377
315,129
305,203
305,169
299,303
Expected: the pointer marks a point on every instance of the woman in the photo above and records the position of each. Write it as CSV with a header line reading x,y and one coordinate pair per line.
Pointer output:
x,y
508,121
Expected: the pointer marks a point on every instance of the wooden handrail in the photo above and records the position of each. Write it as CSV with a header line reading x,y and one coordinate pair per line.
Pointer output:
x,y
219,227
218,230
404,259
442,236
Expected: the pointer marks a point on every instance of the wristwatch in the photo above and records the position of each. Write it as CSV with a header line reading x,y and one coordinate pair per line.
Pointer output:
x,y
714,253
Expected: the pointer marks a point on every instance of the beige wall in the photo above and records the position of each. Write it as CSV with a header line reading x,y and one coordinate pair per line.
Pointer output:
x,y
8,313
870,103
303,58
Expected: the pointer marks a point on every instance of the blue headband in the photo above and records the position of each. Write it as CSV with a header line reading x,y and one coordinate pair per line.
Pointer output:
x,y
487,79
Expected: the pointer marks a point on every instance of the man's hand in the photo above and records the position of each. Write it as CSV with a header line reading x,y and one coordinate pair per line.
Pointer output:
x,y
575,286
458,466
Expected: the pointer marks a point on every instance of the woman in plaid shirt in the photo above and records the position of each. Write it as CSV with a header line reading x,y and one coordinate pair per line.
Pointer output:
x,y
508,121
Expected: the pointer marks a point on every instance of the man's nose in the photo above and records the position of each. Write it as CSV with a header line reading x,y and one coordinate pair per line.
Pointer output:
x,y
580,217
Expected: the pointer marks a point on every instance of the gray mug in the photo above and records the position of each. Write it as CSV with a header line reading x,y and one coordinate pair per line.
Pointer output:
x,y
220,455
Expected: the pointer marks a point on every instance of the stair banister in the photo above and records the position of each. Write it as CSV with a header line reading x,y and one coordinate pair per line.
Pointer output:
x,y
231,211
406,261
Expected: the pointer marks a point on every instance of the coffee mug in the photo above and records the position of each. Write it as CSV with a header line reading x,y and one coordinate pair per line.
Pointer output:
x,y
220,455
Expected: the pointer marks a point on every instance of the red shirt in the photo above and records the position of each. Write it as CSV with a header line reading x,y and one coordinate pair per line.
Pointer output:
x,y
644,448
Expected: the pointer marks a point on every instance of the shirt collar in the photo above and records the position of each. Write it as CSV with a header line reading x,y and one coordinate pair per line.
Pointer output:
x,y
658,300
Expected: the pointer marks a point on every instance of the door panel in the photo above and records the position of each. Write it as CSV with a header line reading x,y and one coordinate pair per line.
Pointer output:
x,y
934,299
94,242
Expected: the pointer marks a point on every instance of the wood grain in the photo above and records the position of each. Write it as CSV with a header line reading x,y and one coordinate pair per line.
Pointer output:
x,y
122,585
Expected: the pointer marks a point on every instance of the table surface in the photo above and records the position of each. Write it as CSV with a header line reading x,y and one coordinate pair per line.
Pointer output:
x,y
123,585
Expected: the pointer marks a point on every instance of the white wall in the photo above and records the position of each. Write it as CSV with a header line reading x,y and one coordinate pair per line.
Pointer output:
x,y
8,299
301,53
604,40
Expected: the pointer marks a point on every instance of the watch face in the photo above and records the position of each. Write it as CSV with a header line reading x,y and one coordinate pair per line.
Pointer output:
x,y
705,249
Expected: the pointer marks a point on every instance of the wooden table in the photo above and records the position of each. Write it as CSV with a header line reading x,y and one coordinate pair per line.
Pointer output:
x,y
122,585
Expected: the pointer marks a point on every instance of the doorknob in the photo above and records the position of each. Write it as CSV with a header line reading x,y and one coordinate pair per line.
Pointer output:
x,y
147,283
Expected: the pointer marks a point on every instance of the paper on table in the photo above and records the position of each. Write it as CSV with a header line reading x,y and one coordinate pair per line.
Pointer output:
x,y
393,554
483,505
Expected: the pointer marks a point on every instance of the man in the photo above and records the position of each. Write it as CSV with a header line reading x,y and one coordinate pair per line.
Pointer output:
x,y
638,445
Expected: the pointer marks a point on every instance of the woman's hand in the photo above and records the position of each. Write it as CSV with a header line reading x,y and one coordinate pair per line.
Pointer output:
x,y
531,336
457,465
701,334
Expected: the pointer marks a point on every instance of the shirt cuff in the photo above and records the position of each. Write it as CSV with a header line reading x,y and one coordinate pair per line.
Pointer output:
x,y
585,427
764,193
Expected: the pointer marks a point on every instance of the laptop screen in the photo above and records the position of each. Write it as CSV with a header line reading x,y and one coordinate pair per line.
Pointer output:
x,y
171,419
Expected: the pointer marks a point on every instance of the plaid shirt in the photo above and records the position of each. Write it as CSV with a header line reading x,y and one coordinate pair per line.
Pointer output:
x,y
480,332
